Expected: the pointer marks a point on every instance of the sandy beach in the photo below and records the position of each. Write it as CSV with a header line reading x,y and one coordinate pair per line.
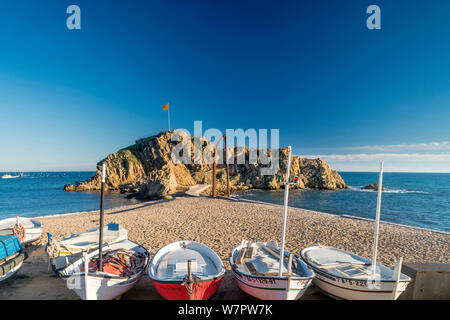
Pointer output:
x,y
222,224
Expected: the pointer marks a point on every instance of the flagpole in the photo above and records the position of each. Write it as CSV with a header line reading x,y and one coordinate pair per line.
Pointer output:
x,y
168,116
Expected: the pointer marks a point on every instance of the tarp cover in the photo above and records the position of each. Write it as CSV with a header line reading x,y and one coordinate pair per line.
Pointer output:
x,y
9,245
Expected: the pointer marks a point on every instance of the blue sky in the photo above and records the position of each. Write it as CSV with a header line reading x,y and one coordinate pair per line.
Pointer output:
x,y
312,69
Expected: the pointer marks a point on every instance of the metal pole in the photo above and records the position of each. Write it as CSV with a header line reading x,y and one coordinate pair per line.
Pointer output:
x,y
86,277
214,178
168,116
286,196
377,220
214,167
100,240
228,167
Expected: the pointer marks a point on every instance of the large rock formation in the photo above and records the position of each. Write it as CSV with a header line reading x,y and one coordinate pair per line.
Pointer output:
x,y
146,170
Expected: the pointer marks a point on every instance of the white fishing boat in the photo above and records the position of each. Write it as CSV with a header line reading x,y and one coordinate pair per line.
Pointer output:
x,y
85,279
255,267
12,256
344,275
266,271
109,271
186,270
26,229
62,253
9,176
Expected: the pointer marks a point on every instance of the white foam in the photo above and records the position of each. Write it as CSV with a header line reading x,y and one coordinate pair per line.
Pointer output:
x,y
386,190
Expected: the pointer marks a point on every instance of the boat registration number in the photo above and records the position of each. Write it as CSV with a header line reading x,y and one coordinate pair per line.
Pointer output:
x,y
357,283
261,280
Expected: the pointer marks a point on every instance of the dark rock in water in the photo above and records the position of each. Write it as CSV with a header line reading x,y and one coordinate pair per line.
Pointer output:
x,y
147,171
373,187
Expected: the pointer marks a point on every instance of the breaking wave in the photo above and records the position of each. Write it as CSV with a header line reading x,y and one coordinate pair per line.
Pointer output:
x,y
387,190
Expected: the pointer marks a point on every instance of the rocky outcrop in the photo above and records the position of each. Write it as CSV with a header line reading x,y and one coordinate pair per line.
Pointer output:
x,y
146,170
373,187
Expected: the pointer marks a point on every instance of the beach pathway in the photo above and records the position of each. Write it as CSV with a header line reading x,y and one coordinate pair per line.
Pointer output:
x,y
197,189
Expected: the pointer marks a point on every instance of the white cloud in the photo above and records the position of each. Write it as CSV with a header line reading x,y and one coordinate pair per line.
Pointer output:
x,y
429,146
384,156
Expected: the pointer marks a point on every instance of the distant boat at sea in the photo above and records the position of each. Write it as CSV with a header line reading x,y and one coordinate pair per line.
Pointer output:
x,y
9,176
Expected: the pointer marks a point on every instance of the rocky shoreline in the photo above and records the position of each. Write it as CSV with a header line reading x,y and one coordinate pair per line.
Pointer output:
x,y
146,170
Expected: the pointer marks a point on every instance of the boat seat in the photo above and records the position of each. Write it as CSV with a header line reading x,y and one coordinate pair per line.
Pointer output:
x,y
251,268
331,258
174,264
353,271
249,253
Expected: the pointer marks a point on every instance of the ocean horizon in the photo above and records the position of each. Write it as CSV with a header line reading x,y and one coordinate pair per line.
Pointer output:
x,y
414,199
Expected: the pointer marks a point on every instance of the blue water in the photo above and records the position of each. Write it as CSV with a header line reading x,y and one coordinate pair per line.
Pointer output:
x,y
417,199
41,193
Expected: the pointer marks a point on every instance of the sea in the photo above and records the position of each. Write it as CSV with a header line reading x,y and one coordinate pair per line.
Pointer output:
x,y
414,199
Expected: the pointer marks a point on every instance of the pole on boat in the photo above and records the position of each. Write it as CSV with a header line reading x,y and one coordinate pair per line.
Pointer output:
x,y
100,240
86,275
189,280
396,277
377,221
286,195
289,274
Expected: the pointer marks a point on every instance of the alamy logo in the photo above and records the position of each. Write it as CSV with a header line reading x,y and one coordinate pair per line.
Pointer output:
x,y
74,20
258,151
374,20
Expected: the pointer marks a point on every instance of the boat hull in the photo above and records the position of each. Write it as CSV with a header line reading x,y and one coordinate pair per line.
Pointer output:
x,y
33,229
178,291
101,288
329,266
170,281
14,266
341,288
267,288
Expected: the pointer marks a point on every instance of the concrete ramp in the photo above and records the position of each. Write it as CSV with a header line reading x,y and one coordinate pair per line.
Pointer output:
x,y
197,189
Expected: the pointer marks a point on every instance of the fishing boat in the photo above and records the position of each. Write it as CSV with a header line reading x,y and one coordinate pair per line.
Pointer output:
x,y
266,271
12,255
109,271
26,229
123,265
62,253
344,275
186,270
255,267
9,176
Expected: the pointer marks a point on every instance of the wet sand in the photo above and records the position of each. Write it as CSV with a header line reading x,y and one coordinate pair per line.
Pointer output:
x,y
222,224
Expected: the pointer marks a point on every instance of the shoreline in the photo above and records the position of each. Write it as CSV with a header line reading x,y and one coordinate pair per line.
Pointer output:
x,y
350,217
240,198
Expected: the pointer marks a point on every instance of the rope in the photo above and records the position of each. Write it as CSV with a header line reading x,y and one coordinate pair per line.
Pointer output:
x,y
120,262
53,249
191,285
19,231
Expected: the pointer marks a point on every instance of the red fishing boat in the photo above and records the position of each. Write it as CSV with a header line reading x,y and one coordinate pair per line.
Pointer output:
x,y
186,270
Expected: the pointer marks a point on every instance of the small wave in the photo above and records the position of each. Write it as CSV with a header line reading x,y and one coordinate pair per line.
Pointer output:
x,y
386,190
